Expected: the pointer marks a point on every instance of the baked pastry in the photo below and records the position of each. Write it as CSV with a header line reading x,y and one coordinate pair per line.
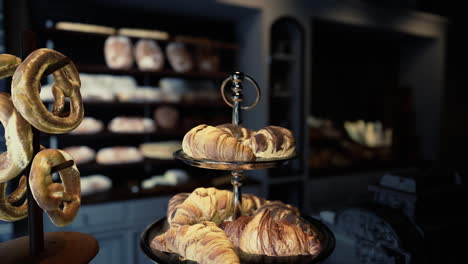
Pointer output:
x,y
208,142
26,87
160,150
148,55
207,59
8,65
81,27
18,139
143,33
89,125
272,142
262,234
118,155
81,154
204,243
8,211
124,124
174,204
211,204
166,117
221,143
118,52
60,201
95,183
179,57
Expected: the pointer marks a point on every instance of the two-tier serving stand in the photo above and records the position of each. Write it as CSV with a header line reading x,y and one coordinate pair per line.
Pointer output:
x,y
237,168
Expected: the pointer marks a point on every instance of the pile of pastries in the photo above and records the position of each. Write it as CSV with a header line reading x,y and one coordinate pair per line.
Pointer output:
x,y
21,111
200,229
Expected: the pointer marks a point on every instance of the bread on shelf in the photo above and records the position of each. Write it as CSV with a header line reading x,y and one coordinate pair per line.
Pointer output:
x,y
166,117
89,125
82,27
118,52
143,33
118,155
81,154
179,57
148,55
160,150
126,124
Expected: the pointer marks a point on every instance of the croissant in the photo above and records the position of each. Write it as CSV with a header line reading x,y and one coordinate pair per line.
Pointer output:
x,y
263,235
272,142
204,243
174,203
210,204
208,142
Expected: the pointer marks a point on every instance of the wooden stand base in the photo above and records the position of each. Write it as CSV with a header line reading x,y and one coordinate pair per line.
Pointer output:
x,y
59,247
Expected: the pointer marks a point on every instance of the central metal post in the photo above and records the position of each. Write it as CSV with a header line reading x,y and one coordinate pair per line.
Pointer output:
x,y
237,175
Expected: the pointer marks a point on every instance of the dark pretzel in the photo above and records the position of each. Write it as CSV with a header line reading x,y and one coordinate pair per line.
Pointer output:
x,y
51,196
8,211
26,89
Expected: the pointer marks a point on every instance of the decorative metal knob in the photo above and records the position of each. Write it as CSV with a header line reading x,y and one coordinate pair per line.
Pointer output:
x,y
237,78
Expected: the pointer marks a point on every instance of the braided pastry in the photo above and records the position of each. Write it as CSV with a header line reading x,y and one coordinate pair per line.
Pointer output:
x,y
8,211
18,136
210,204
26,89
272,142
8,65
204,243
262,234
51,196
208,142
220,143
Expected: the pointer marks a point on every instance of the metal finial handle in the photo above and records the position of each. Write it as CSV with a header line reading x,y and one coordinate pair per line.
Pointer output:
x,y
237,78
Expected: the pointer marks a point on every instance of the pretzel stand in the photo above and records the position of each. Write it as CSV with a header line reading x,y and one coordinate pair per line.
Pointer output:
x,y
49,247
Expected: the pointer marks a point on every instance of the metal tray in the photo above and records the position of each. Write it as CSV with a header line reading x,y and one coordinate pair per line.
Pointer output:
x,y
326,237
232,165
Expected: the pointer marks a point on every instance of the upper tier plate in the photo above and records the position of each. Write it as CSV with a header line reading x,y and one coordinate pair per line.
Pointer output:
x,y
233,165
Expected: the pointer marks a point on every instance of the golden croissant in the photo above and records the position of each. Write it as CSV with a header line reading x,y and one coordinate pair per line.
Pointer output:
x,y
211,204
263,235
204,243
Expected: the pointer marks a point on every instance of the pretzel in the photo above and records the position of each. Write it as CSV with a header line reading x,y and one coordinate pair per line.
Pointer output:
x,y
26,89
18,136
8,211
51,196
8,65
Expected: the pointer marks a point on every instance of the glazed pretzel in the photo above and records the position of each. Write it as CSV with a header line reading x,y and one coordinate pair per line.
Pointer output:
x,y
51,196
26,88
8,211
18,136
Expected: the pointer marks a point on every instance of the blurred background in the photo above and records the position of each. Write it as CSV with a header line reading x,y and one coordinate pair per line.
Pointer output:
x,y
373,91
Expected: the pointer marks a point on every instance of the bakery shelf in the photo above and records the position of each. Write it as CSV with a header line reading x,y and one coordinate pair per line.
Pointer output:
x,y
52,32
102,69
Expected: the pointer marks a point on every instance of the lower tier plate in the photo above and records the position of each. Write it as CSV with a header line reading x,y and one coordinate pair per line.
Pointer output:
x,y
326,237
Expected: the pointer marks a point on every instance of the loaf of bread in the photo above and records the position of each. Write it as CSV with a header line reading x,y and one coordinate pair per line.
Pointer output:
x,y
148,55
89,125
166,117
160,150
143,33
118,52
88,28
124,124
81,154
118,155
179,57
207,59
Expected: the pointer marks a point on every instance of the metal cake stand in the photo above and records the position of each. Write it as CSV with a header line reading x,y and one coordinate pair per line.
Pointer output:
x,y
237,168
